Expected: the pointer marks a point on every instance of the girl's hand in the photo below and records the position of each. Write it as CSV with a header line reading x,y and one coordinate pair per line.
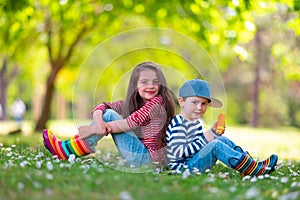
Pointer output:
x,y
104,127
100,124
209,135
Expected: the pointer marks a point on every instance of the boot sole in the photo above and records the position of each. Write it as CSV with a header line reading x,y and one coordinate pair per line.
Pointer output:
x,y
47,143
273,168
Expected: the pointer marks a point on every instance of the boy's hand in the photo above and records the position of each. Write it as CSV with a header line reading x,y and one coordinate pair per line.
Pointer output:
x,y
219,126
209,136
218,131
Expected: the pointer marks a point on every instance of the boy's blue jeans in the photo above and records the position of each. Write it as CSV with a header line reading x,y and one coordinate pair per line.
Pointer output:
x,y
220,148
128,144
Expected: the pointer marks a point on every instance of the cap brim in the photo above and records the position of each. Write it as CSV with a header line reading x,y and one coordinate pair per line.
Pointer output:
x,y
215,103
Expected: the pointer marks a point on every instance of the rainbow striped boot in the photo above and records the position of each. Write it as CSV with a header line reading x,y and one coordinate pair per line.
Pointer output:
x,y
239,149
247,166
63,149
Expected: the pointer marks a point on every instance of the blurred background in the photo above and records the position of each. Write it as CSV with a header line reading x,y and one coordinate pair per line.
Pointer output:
x,y
43,45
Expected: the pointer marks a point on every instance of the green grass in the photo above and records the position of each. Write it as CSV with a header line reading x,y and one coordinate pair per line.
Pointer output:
x,y
29,172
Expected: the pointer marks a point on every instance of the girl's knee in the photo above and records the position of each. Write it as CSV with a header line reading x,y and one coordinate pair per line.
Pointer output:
x,y
111,115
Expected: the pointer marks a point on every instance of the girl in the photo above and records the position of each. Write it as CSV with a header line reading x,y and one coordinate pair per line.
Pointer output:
x,y
140,136
188,145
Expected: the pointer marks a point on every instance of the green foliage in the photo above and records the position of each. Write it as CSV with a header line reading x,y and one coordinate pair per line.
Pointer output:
x,y
224,29
13,5
15,26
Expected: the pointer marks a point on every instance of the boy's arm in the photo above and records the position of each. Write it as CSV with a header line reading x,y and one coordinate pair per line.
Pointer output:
x,y
179,145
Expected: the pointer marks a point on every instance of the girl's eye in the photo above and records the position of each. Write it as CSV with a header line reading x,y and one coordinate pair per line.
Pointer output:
x,y
155,82
195,102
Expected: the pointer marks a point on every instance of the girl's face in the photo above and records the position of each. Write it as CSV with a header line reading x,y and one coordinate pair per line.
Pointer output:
x,y
148,84
193,108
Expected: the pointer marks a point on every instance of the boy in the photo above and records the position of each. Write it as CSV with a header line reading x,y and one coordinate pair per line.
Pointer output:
x,y
188,145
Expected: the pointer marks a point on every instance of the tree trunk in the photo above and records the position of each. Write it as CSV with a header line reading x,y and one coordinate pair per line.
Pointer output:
x,y
256,84
45,114
5,78
57,63
61,107
3,89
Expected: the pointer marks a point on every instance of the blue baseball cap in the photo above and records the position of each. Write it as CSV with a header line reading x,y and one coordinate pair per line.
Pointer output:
x,y
199,88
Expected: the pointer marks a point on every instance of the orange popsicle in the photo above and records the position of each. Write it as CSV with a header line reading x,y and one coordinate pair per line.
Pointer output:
x,y
221,123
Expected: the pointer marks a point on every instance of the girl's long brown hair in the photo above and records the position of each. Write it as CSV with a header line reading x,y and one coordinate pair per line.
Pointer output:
x,y
134,101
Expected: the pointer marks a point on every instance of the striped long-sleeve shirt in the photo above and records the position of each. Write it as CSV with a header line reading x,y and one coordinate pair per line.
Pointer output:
x,y
184,139
149,120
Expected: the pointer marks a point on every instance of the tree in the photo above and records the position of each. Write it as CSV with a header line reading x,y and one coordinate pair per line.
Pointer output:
x,y
203,20
15,33
65,29
65,24
269,67
5,78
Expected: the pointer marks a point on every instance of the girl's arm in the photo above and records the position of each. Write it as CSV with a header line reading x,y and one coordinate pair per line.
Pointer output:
x,y
103,128
136,119
100,124
119,126
151,109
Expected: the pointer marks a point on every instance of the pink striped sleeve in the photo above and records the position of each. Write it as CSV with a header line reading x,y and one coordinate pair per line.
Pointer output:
x,y
101,106
116,106
143,116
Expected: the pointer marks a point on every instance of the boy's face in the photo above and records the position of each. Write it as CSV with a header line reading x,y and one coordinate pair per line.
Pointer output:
x,y
192,108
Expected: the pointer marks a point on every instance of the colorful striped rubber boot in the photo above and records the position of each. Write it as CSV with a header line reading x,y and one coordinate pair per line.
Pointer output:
x,y
239,149
247,166
63,149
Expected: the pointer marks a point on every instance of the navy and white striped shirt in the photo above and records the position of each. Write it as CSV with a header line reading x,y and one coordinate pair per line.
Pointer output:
x,y
184,139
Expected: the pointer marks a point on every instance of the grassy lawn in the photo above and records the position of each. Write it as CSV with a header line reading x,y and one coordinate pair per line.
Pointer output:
x,y
29,172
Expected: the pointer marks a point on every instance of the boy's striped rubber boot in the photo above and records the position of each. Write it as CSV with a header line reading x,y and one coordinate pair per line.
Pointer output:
x,y
247,166
63,149
239,149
